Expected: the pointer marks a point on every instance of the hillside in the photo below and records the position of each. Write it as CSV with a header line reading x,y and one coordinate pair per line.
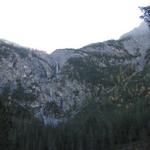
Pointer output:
x,y
101,90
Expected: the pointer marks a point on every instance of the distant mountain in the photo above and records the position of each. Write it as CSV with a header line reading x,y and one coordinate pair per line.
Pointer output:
x,y
55,87
67,76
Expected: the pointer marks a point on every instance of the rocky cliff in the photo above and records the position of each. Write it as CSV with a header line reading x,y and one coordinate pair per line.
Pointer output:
x,y
53,85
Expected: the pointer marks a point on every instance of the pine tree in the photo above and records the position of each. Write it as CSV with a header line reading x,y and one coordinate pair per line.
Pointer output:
x,y
146,14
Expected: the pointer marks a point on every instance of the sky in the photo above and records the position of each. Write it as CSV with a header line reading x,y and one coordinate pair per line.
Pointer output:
x,y
53,24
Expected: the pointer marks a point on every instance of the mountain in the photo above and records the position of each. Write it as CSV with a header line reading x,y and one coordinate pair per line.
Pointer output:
x,y
67,76
55,87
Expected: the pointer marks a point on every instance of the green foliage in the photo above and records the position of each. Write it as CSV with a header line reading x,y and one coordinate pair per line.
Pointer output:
x,y
5,127
95,126
104,126
23,52
52,108
7,49
4,53
118,114
21,94
89,71
28,134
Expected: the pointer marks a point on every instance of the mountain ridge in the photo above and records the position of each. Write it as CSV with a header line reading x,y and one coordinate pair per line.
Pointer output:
x,y
62,76
94,97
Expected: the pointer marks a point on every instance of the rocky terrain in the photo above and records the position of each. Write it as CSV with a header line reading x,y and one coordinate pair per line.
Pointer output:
x,y
95,97
51,85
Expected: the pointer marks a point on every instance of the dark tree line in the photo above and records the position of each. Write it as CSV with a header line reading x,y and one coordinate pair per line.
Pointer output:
x,y
95,127
118,117
5,127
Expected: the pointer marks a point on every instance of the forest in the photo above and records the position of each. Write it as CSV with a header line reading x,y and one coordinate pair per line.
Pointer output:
x,y
97,125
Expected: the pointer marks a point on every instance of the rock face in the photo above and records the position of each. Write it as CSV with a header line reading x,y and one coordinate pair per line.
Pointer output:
x,y
51,86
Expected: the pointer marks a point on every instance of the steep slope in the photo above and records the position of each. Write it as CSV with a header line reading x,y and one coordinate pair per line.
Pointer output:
x,y
95,97
49,86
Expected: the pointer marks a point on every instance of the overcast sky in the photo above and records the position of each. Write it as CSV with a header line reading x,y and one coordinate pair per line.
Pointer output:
x,y
53,24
